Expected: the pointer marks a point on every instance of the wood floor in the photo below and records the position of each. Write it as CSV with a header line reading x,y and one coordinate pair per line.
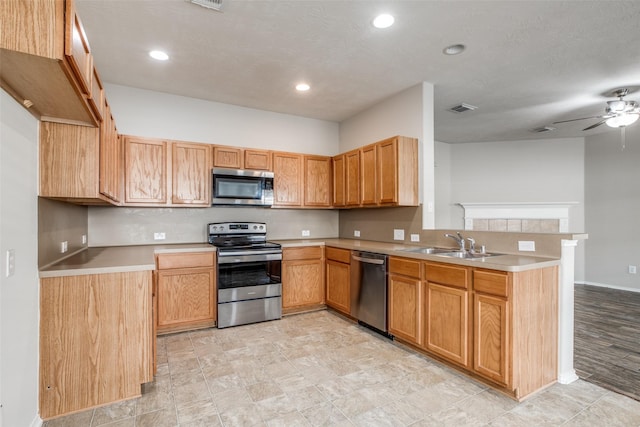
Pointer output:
x,y
607,338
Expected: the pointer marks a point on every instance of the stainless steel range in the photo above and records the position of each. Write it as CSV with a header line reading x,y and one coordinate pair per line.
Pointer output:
x,y
249,279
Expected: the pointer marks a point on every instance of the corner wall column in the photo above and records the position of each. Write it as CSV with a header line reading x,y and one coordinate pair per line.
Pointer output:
x,y
566,372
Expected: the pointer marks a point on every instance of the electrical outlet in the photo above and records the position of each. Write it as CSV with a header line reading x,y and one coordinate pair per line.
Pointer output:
x,y
64,246
11,263
415,237
526,245
159,236
632,269
356,233
398,234
84,239
306,233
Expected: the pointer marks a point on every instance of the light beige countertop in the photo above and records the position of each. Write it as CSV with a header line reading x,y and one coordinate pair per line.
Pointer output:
x,y
116,259
506,262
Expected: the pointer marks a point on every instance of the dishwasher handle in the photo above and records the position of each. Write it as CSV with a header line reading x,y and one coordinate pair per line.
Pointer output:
x,y
368,260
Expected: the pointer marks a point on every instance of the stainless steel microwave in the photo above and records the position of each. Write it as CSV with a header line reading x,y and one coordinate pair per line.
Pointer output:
x,y
239,187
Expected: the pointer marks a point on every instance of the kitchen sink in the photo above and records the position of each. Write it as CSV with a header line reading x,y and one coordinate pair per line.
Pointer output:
x,y
427,250
466,255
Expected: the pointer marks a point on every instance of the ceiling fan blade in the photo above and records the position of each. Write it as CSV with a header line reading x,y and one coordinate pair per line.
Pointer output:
x,y
601,122
581,118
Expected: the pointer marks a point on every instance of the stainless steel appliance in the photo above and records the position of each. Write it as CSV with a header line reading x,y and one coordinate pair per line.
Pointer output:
x,y
369,289
240,187
249,278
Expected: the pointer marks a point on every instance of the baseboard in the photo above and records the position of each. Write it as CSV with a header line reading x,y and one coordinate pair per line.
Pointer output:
x,y
605,285
37,422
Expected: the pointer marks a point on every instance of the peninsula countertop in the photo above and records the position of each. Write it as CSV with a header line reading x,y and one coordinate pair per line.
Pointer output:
x,y
112,259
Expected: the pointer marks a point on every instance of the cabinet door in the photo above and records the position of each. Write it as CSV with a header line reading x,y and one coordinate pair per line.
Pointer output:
x,y
77,50
109,157
447,322
190,174
145,170
95,340
257,160
387,172
317,181
302,283
339,199
404,308
491,337
227,157
368,175
352,178
338,286
287,183
185,297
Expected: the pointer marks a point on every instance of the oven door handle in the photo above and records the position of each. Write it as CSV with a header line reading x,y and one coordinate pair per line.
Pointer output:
x,y
233,259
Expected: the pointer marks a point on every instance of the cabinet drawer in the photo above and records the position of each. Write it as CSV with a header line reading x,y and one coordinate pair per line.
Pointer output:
x,y
446,274
491,282
306,252
340,255
404,266
185,260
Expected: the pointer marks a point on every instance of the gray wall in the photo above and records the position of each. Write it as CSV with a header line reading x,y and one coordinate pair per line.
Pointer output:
x,y
18,293
58,222
613,202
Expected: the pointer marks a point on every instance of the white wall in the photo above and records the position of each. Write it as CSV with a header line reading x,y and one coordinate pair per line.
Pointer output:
x,y
154,114
442,168
549,170
612,178
408,113
19,293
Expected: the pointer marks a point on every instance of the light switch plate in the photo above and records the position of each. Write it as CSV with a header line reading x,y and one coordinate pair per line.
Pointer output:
x,y
11,263
398,234
526,245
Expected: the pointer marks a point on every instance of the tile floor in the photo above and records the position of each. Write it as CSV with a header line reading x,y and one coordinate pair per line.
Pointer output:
x,y
318,369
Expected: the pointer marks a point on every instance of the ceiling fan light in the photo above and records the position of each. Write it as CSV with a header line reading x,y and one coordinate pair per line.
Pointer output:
x,y
622,120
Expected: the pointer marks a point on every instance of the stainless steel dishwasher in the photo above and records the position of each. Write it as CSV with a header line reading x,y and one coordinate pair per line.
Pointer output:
x,y
369,289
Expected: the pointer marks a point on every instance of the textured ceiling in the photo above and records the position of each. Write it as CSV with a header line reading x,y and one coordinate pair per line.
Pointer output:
x,y
527,63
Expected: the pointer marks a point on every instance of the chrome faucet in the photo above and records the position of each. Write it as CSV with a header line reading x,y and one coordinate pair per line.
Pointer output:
x,y
472,245
459,239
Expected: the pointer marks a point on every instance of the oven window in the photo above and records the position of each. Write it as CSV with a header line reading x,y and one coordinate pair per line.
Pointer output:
x,y
238,188
237,275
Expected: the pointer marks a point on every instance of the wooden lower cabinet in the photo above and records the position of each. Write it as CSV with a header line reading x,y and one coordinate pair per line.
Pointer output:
x,y
447,311
405,299
491,337
186,296
338,267
96,340
302,278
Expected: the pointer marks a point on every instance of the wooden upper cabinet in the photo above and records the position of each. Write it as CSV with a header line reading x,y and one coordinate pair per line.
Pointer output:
x,y
190,174
257,159
368,182
70,163
97,99
352,178
77,50
110,162
145,174
288,176
46,60
397,171
317,181
227,157
339,199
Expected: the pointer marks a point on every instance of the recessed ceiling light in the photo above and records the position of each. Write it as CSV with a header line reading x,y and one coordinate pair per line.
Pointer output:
x,y
454,49
159,55
302,87
383,21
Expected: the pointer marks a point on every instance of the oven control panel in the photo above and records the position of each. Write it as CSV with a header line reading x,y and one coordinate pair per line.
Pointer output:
x,y
237,228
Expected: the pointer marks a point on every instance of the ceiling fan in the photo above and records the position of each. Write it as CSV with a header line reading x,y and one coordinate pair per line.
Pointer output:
x,y
618,114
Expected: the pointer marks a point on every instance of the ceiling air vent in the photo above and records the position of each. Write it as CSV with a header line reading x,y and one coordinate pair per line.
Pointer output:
x,y
209,4
462,108
542,129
